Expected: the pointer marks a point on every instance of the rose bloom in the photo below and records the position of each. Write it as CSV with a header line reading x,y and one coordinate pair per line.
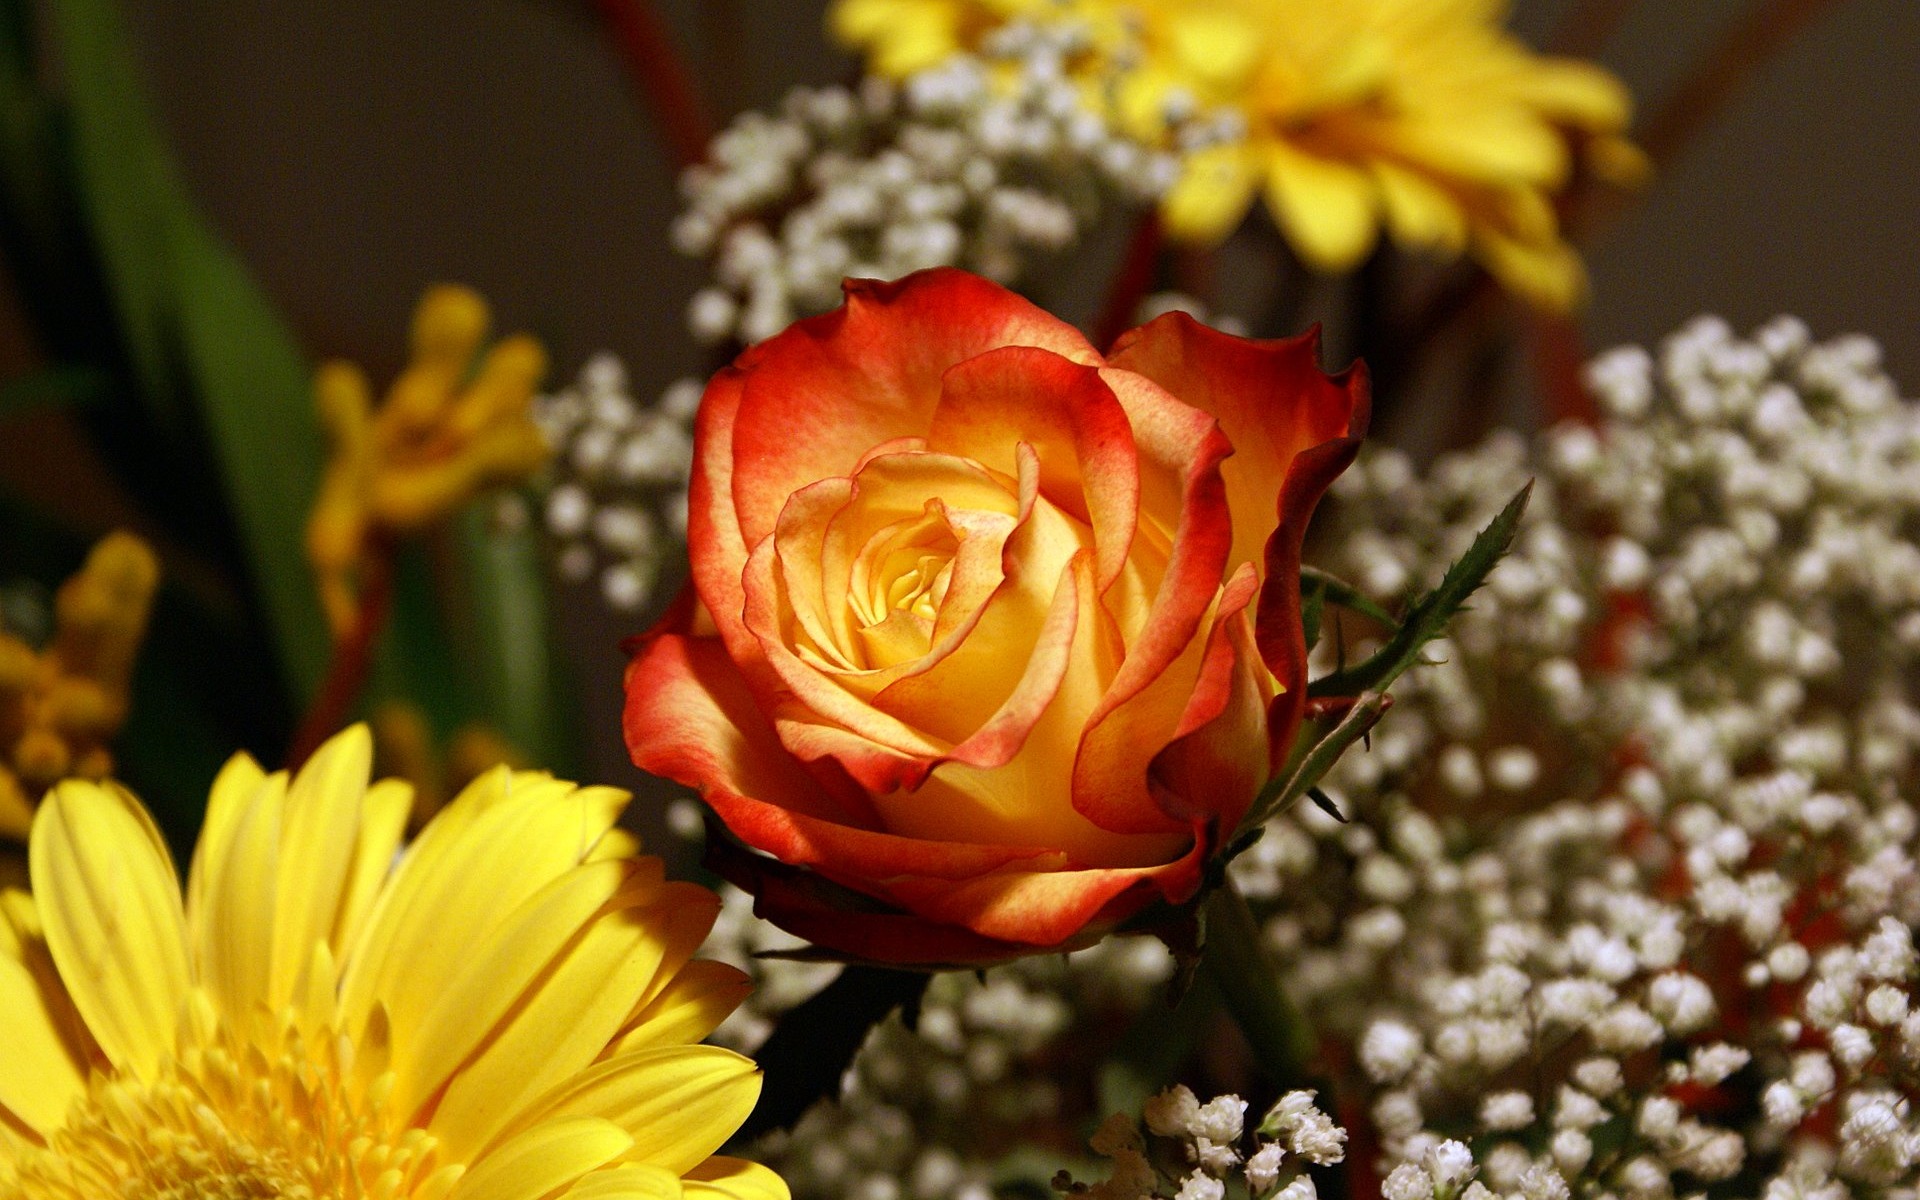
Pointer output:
x,y
995,638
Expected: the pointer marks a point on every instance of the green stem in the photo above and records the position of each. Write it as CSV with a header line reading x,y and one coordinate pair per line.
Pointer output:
x,y
1237,959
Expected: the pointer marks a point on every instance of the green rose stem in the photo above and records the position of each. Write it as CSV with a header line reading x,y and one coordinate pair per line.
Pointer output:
x,y
1236,958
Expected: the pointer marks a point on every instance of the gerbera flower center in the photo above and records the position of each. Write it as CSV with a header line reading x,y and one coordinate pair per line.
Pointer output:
x,y
227,1120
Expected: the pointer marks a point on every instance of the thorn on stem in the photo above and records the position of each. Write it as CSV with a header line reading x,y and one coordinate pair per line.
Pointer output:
x,y
1325,804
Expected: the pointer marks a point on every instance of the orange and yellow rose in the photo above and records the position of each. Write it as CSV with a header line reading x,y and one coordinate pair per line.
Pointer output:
x,y
995,638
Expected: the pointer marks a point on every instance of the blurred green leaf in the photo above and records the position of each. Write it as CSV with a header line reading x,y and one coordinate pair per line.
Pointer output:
x,y
509,652
129,187
252,383
415,660
200,333
53,387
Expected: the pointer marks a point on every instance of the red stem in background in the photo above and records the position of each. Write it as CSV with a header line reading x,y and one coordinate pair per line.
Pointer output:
x,y
1752,40
1559,353
1130,282
661,75
352,659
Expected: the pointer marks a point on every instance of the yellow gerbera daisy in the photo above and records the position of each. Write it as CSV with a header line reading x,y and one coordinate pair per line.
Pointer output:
x,y
1423,116
506,1008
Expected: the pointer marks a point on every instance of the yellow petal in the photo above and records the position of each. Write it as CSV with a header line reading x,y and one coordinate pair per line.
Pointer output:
x,y
615,843
40,1073
543,1159
1500,147
1211,196
468,876
317,838
319,992
1547,274
496,975
233,927
1325,206
110,901
1217,48
232,791
449,323
559,1027
1617,161
1420,213
383,822
693,1005
1578,93
636,1180
16,814
721,1178
680,1103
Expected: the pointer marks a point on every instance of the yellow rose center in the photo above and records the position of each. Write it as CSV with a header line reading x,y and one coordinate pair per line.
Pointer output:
x,y
906,569
226,1120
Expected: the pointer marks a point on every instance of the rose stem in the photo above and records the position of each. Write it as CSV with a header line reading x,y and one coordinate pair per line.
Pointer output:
x,y
809,1051
1236,958
352,657
661,76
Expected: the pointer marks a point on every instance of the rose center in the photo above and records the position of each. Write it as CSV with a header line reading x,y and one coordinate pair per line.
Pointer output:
x,y
899,582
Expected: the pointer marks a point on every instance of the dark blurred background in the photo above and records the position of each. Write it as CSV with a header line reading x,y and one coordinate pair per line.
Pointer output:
x,y
355,150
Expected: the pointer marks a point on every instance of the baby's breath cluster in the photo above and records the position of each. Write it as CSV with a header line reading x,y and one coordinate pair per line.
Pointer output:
x,y
986,161
617,507
1625,906
1195,1151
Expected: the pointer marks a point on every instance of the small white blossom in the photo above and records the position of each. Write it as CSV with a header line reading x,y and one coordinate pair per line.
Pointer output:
x,y
1407,1182
1505,1111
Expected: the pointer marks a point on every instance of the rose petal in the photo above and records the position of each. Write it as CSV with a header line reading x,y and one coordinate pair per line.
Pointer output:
x,y
1278,629
1048,908
822,392
1183,492
1016,394
1214,767
1272,401
1294,429
690,717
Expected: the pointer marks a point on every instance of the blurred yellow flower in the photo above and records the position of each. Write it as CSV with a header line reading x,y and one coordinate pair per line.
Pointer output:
x,y
447,430
59,707
1422,116
404,747
507,1008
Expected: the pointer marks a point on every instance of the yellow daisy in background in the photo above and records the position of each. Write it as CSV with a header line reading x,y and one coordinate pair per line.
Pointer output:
x,y
506,1008
1421,116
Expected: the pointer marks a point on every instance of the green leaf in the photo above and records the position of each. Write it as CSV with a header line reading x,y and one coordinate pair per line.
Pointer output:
x,y
53,387
1429,616
129,187
1333,590
415,660
1313,602
253,388
510,655
208,349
